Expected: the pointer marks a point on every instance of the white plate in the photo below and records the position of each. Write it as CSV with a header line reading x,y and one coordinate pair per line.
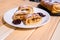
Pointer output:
x,y
8,18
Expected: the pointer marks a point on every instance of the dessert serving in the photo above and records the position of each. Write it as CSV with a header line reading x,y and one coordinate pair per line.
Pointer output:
x,y
26,15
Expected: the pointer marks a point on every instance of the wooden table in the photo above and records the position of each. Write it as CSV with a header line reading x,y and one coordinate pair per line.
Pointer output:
x,y
42,33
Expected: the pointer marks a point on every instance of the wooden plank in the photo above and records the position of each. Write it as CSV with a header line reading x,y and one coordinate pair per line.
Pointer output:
x,y
20,34
56,35
45,32
5,31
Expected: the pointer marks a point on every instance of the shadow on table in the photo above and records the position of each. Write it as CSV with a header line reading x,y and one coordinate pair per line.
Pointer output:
x,y
40,6
15,28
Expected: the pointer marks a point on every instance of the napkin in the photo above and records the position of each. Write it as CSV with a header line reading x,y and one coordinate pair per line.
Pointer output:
x,y
5,31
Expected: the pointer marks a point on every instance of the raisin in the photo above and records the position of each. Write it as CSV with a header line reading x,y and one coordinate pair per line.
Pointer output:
x,y
18,21
41,14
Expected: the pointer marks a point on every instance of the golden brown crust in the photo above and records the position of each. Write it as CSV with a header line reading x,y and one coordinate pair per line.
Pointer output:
x,y
32,19
56,8
22,11
19,16
28,9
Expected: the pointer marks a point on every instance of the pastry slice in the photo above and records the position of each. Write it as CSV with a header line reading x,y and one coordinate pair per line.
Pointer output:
x,y
32,19
19,16
26,9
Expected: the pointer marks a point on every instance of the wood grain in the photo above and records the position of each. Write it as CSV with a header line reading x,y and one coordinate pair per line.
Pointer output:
x,y
42,33
45,32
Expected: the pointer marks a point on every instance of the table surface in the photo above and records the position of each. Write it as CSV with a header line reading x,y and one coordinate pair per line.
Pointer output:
x,y
42,33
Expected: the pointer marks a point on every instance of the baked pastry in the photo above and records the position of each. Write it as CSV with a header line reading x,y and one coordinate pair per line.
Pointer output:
x,y
22,11
26,15
32,19
51,5
56,8
26,9
19,15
